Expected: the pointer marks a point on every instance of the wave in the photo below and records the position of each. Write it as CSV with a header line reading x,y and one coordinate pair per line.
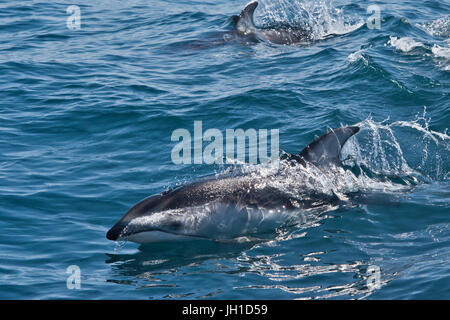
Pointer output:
x,y
408,45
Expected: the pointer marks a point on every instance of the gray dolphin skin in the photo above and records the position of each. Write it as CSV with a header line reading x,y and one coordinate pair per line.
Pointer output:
x,y
227,204
245,26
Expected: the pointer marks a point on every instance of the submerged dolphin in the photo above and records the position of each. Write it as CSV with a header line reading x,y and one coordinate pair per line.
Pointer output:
x,y
226,206
245,26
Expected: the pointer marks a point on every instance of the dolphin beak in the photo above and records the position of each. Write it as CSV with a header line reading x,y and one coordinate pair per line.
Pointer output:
x,y
118,230
115,232
355,129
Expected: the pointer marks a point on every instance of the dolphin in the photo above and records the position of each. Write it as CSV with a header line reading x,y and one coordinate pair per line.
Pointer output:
x,y
244,26
230,206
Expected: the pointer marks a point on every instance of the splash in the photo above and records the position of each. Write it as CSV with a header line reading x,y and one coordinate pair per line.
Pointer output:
x,y
358,56
321,17
405,44
441,51
387,156
439,27
408,149
119,245
442,54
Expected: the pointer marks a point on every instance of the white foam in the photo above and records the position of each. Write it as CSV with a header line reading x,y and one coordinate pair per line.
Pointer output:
x,y
442,55
405,44
441,52
357,56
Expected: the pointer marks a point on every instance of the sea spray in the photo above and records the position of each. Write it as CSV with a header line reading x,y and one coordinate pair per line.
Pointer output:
x,y
322,18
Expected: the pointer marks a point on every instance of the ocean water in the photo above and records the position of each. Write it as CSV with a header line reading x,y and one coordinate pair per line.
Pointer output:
x,y
87,114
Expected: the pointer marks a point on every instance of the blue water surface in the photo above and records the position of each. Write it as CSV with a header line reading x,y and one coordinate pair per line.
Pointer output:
x,y
87,114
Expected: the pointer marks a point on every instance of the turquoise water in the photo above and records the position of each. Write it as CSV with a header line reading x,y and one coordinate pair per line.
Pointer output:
x,y
86,119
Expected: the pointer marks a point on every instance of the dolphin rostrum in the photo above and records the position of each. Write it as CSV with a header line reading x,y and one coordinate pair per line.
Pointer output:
x,y
231,206
245,26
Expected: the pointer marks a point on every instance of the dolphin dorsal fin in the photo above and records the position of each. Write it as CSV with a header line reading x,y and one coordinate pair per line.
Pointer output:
x,y
327,148
247,13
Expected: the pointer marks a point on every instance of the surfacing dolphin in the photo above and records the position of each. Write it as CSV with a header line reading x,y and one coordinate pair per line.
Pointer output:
x,y
232,206
244,26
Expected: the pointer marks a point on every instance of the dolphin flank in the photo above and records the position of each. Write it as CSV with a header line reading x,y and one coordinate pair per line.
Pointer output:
x,y
208,208
244,26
